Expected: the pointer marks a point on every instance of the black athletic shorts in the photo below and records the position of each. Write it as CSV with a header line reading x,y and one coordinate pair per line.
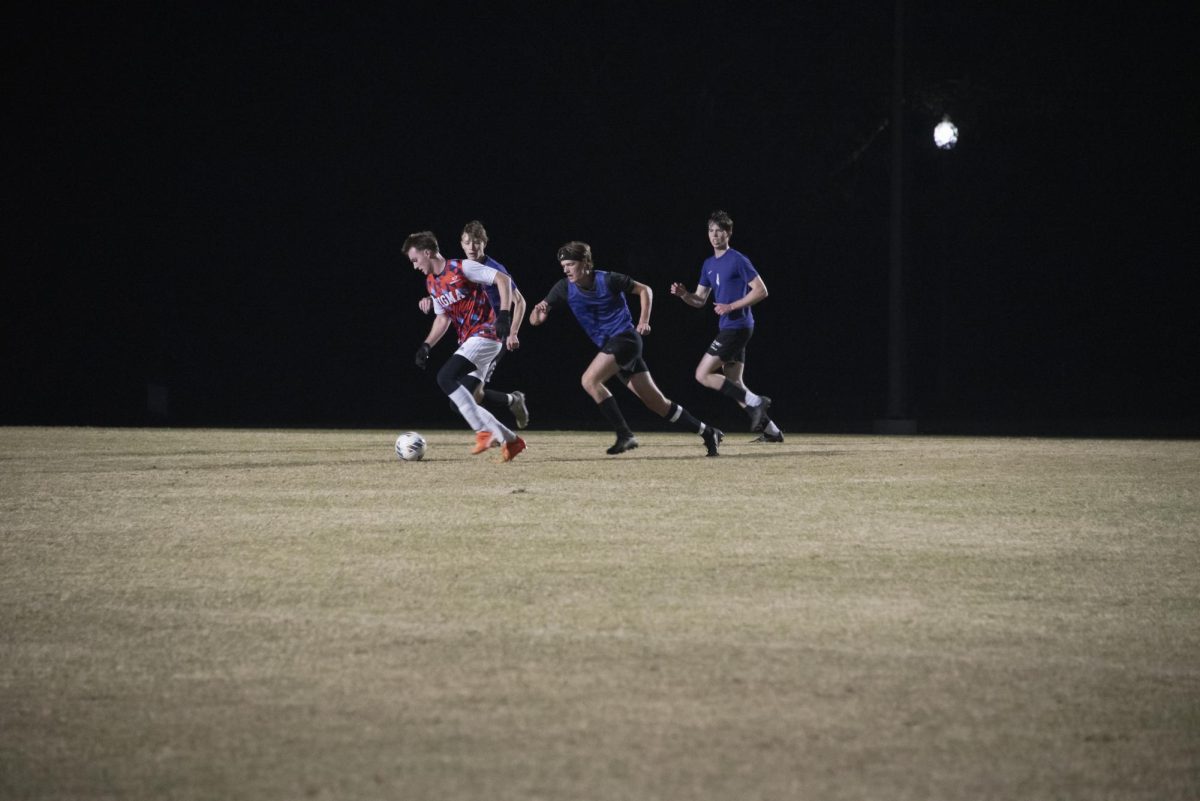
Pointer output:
x,y
730,344
627,348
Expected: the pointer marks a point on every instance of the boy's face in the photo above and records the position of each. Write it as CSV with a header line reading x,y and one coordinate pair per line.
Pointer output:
x,y
572,269
421,259
473,248
718,236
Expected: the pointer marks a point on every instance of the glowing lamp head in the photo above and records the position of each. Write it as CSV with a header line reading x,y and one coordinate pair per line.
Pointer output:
x,y
945,135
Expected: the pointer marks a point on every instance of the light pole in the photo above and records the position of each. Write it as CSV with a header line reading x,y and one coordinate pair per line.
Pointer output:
x,y
897,420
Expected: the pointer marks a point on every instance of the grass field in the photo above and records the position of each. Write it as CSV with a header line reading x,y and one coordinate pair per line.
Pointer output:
x,y
210,614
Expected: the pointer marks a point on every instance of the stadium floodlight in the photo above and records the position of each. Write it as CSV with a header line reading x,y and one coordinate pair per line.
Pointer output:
x,y
945,134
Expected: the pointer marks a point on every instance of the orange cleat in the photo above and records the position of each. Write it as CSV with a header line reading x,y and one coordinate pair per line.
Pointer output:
x,y
509,450
483,441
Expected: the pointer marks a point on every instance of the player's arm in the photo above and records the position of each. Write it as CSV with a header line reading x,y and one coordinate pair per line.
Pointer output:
x,y
758,291
645,297
694,299
556,298
519,308
623,283
436,331
518,315
504,285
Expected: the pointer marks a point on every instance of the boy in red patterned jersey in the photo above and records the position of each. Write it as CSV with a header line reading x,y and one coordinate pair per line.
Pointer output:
x,y
457,289
474,240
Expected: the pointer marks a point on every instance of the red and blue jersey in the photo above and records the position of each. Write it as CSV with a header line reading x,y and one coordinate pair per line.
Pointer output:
x,y
459,291
729,279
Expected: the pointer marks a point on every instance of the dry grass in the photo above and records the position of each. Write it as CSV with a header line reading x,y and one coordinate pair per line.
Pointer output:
x,y
291,614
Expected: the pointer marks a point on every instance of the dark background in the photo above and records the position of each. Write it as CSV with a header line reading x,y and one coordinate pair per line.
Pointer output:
x,y
205,205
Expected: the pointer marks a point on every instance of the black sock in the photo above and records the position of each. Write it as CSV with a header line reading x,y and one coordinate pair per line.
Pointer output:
x,y
495,396
680,415
612,413
732,390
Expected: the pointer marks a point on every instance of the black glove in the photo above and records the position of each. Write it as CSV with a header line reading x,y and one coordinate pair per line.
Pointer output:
x,y
422,355
503,323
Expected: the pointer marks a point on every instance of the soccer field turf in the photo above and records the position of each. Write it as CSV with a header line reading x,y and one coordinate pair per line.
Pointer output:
x,y
297,614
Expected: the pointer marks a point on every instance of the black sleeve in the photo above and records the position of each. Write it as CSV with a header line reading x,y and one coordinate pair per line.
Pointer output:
x,y
557,297
620,282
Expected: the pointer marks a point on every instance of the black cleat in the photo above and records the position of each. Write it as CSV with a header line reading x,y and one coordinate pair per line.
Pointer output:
x,y
622,444
765,437
712,440
758,414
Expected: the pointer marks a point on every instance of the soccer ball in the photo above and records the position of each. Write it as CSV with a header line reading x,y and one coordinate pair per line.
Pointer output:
x,y
410,446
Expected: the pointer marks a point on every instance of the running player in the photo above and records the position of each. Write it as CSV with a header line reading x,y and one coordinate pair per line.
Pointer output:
x,y
457,289
735,286
597,298
474,240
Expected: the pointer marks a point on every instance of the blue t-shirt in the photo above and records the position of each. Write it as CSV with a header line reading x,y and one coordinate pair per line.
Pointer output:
x,y
729,279
601,310
493,291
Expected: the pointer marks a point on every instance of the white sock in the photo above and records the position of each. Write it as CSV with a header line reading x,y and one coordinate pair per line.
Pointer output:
x,y
772,429
752,399
477,417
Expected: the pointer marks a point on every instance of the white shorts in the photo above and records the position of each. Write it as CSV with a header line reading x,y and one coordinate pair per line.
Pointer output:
x,y
481,353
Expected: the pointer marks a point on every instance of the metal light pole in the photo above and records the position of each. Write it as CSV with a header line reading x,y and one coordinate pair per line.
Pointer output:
x,y
897,420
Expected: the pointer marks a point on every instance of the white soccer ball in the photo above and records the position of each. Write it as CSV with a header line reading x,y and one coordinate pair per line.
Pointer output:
x,y
410,446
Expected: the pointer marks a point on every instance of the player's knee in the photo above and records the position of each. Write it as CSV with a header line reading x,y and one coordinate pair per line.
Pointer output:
x,y
450,377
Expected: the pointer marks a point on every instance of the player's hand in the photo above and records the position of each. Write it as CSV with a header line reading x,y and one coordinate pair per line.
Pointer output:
x,y
503,323
422,357
643,328
679,290
722,308
425,304
513,343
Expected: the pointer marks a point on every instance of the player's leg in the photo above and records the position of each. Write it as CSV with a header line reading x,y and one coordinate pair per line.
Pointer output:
x,y
641,383
729,348
513,401
474,355
603,367
709,372
483,439
735,372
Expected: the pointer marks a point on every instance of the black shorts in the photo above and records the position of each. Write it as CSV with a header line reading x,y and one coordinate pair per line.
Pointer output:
x,y
626,347
730,344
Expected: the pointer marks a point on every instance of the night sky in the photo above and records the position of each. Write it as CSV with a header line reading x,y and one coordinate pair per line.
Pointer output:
x,y
212,200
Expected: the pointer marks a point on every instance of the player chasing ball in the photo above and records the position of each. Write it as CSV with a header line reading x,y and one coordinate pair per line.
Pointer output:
x,y
474,241
456,287
735,286
597,299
